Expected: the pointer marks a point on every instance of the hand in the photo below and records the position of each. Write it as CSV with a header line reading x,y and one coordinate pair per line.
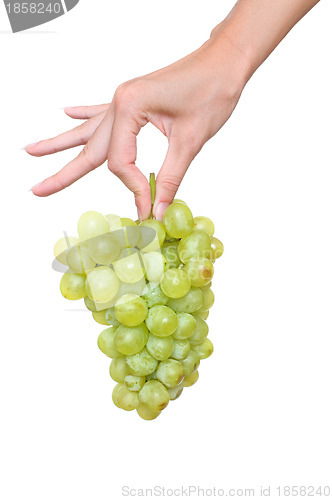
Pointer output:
x,y
188,102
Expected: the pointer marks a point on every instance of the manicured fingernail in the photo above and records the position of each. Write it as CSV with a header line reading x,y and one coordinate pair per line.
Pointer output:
x,y
30,145
159,210
34,187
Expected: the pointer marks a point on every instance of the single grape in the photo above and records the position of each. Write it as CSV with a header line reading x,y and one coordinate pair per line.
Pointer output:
x,y
200,332
200,271
102,284
189,303
161,321
175,392
175,283
170,372
134,383
156,226
114,394
79,260
196,245
128,267
62,247
170,252
202,314
142,363
160,347
131,310
72,286
217,249
110,317
205,224
99,316
205,349
208,299
181,349
154,395
126,399
145,413
191,379
119,369
155,264
191,362
131,339
92,224
106,342
186,326
154,296
104,249
178,220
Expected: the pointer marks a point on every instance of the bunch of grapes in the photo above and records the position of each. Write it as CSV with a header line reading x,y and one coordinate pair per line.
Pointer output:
x,y
150,283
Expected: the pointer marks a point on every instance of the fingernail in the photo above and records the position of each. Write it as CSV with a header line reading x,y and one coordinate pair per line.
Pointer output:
x,y
159,210
30,145
35,186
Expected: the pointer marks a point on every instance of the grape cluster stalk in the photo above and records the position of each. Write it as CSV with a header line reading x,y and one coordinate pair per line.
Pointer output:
x,y
150,283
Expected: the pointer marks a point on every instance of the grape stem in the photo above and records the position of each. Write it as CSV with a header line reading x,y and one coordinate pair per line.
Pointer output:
x,y
153,192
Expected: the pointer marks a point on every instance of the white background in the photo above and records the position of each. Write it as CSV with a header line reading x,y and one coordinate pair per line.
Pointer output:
x,y
261,411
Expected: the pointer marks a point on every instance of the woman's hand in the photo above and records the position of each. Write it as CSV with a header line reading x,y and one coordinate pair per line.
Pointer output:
x,y
188,102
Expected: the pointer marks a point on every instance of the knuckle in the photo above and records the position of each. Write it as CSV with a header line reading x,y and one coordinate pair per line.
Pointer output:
x,y
126,94
85,155
81,134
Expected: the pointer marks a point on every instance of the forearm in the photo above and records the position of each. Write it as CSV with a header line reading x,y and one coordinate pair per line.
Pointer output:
x,y
256,27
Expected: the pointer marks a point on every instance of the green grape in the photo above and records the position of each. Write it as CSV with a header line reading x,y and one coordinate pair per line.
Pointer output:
x,y
145,413
114,394
178,220
154,395
175,283
102,284
99,316
191,362
72,286
155,264
119,369
196,245
142,363
202,314
189,303
136,288
205,224
208,299
200,332
170,252
131,339
152,376
124,231
92,224
217,249
112,219
200,271
106,342
110,317
154,296
104,249
62,247
161,321
126,399
156,226
186,326
170,372
134,383
191,379
181,349
160,347
128,267
90,304
179,201
79,260
175,392
205,349
131,310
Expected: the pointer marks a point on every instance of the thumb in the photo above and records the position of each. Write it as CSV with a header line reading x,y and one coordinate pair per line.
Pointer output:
x,y
175,165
